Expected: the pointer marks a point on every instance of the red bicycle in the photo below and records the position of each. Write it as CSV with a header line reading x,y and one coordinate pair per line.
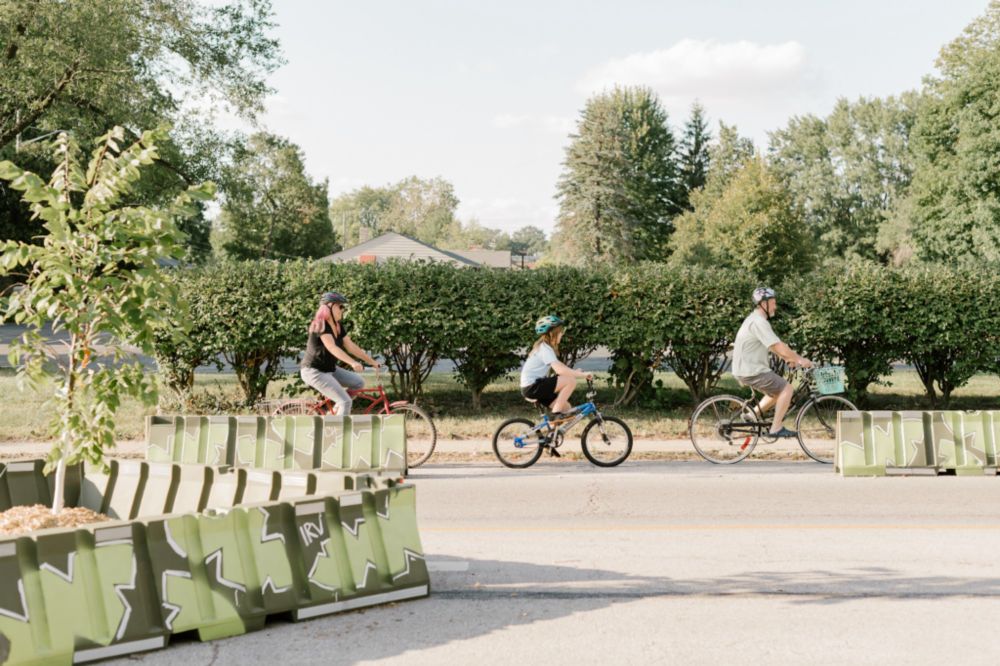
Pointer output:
x,y
421,434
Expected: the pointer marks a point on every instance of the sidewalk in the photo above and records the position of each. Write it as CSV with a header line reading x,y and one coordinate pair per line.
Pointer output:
x,y
457,450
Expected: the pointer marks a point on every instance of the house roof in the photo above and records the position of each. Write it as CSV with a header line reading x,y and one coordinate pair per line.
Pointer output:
x,y
396,245
492,258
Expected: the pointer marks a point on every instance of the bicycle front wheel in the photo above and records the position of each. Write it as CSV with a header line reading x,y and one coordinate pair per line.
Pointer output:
x,y
517,444
421,435
723,430
817,426
606,441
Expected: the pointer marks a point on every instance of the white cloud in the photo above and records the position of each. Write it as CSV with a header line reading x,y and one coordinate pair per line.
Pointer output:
x,y
741,82
693,67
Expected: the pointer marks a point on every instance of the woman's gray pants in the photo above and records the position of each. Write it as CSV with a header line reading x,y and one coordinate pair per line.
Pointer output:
x,y
334,385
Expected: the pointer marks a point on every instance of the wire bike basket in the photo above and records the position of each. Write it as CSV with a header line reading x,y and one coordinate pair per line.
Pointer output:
x,y
829,379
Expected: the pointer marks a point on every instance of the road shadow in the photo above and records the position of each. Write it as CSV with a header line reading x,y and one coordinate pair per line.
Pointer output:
x,y
492,470
476,597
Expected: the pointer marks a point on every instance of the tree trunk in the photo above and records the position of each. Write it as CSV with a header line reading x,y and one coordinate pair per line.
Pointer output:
x,y
59,493
927,378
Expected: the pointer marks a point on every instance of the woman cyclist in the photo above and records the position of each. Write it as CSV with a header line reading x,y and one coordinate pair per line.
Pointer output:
x,y
328,343
536,383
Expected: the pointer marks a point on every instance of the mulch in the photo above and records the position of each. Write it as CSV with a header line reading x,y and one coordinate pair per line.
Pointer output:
x,y
23,519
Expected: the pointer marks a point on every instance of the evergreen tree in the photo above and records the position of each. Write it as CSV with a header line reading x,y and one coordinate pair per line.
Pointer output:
x,y
693,156
618,193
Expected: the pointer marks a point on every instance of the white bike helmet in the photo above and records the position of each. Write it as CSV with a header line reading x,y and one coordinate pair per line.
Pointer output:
x,y
761,294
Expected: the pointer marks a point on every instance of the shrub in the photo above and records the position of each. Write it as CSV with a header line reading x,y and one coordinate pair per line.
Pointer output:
x,y
950,321
851,316
684,317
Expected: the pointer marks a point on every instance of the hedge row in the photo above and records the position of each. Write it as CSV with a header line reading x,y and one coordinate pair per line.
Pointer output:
x,y
943,321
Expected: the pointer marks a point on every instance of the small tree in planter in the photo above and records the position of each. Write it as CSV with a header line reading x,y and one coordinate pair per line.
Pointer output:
x,y
96,279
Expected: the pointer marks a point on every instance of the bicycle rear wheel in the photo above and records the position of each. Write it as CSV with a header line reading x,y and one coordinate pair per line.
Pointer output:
x,y
516,443
421,435
606,441
723,430
817,426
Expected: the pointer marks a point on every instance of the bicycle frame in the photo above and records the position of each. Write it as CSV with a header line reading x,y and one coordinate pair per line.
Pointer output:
x,y
376,400
561,426
804,392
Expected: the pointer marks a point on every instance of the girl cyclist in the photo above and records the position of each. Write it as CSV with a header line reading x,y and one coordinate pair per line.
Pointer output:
x,y
536,384
328,342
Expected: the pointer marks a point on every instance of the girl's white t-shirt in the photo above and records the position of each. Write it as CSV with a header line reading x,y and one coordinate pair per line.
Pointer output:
x,y
537,365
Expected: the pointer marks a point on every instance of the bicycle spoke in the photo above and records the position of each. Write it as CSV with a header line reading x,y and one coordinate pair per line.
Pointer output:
x,y
721,432
816,424
606,441
517,443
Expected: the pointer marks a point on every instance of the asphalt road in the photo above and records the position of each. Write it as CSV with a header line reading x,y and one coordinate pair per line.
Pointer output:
x,y
673,562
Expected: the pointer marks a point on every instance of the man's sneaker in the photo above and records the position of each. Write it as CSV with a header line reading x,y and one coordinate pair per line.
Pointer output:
x,y
784,433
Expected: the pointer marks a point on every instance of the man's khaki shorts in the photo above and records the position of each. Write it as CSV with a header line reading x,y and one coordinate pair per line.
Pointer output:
x,y
768,383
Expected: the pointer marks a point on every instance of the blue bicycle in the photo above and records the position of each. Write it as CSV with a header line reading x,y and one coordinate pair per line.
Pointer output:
x,y
606,441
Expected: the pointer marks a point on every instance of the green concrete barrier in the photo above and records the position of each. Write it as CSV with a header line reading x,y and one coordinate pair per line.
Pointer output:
x,y
207,440
77,595
876,443
5,502
266,542
26,484
194,487
355,443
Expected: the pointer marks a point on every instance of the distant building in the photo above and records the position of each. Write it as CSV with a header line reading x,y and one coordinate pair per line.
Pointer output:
x,y
392,245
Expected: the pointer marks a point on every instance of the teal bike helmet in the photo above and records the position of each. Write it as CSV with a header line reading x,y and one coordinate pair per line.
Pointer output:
x,y
547,323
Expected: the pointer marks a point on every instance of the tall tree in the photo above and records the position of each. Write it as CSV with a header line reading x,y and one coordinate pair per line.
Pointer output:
x,y
473,235
693,154
272,210
87,66
728,155
751,223
952,212
618,193
417,207
848,171
528,240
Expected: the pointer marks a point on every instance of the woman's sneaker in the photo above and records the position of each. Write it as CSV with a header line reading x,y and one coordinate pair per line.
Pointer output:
x,y
784,433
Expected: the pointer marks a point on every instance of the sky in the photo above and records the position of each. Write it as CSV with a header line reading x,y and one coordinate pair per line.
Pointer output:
x,y
485,94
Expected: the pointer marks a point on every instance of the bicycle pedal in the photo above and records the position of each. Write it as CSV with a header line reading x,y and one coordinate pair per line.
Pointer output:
x,y
554,453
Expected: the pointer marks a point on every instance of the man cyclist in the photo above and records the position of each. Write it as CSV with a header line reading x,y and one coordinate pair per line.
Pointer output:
x,y
750,365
